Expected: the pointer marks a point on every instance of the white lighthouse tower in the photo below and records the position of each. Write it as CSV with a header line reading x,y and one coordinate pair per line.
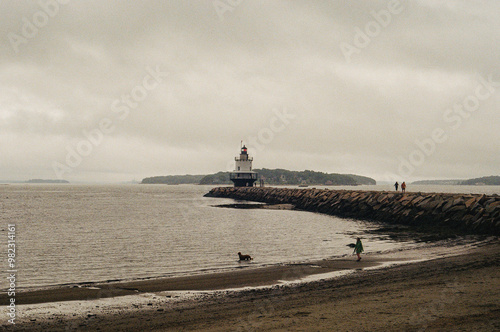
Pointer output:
x,y
243,176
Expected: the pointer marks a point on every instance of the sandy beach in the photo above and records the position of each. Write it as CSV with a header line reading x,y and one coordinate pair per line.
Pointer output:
x,y
455,287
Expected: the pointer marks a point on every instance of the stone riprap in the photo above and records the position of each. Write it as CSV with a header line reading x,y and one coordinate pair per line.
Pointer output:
x,y
470,213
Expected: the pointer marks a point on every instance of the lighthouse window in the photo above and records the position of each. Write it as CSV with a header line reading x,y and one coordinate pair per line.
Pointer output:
x,y
238,168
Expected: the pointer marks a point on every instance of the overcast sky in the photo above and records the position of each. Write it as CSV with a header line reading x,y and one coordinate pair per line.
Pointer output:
x,y
121,90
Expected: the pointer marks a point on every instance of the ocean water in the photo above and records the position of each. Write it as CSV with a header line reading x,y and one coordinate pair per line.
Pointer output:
x,y
69,234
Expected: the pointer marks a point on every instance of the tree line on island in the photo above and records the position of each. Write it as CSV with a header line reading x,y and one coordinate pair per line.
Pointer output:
x,y
270,177
485,180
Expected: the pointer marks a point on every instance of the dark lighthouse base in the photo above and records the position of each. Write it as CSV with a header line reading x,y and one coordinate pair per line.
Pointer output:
x,y
243,182
241,179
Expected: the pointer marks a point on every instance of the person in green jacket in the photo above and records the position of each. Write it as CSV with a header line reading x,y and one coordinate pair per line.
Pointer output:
x,y
358,248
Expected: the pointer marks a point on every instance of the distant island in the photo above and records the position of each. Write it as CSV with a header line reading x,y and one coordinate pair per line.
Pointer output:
x,y
485,180
270,177
174,179
46,181
438,182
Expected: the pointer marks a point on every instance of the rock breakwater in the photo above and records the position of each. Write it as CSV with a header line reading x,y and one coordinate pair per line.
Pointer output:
x,y
470,213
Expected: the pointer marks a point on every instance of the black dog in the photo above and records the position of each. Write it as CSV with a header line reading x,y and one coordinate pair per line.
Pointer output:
x,y
244,257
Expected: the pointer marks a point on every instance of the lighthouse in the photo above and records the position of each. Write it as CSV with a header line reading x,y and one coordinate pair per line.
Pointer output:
x,y
243,176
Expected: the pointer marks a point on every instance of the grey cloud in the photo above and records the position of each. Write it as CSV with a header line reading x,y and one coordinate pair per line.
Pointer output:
x,y
225,78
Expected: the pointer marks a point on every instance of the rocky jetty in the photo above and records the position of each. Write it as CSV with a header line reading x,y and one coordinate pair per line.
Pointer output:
x,y
470,213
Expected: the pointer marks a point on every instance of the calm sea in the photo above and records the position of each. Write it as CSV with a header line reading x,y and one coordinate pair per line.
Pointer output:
x,y
86,233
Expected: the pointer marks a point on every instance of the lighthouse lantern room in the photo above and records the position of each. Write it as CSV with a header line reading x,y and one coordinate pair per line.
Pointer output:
x,y
243,176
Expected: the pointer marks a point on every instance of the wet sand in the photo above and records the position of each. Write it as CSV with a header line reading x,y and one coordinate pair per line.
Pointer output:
x,y
459,292
244,277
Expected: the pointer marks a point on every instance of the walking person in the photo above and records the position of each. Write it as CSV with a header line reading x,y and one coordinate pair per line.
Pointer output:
x,y
358,248
403,186
396,185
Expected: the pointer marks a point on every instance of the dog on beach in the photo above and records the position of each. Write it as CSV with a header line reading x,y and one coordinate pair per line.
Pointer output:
x,y
244,257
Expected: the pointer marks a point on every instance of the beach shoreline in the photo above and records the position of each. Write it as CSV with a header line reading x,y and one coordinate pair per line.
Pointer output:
x,y
247,275
153,299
